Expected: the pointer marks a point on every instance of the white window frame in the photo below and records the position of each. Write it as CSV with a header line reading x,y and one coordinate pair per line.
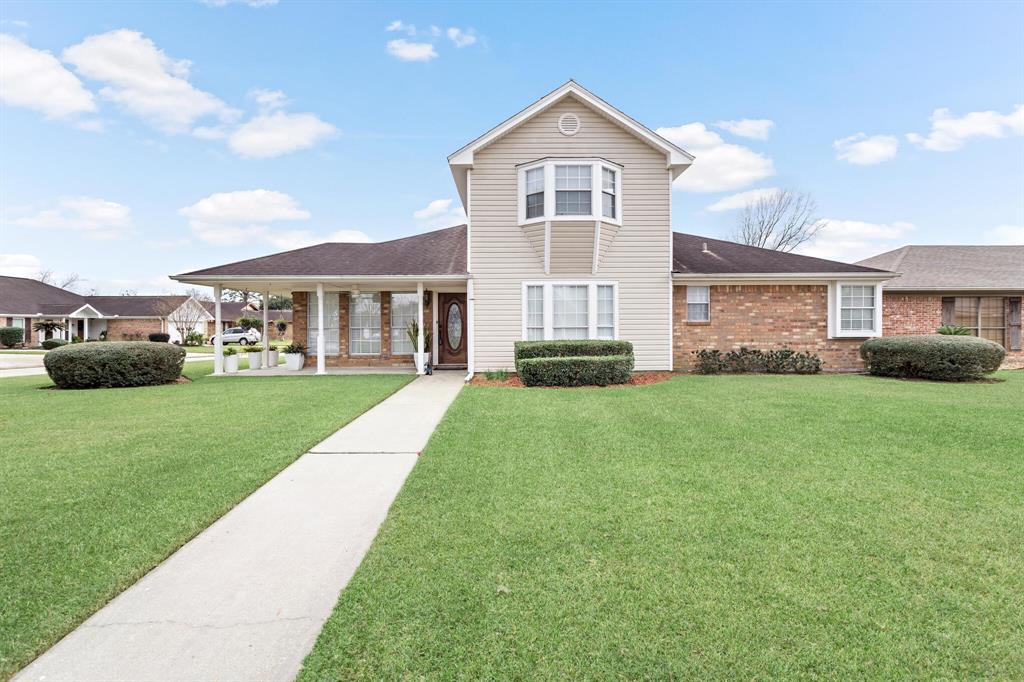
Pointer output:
x,y
403,329
549,305
708,303
835,299
596,189
380,314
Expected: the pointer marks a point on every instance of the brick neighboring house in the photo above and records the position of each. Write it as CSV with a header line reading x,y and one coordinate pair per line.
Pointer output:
x,y
232,311
568,235
978,287
23,302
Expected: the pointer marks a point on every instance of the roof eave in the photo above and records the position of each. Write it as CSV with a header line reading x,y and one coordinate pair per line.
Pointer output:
x,y
775,276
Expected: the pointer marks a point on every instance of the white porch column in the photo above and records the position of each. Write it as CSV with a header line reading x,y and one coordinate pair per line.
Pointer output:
x,y
85,334
420,369
266,330
218,339
321,361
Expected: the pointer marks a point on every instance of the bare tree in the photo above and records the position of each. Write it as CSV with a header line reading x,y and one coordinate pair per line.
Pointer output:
x,y
198,294
69,281
185,317
128,292
780,221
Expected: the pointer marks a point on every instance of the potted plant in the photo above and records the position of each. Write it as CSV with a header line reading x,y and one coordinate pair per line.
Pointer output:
x,y
294,356
272,357
255,354
230,360
413,332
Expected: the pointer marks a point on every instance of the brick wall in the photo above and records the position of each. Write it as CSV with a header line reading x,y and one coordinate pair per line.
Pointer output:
x,y
300,322
118,328
910,313
764,316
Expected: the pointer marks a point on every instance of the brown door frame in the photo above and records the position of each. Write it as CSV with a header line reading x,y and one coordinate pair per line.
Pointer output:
x,y
445,356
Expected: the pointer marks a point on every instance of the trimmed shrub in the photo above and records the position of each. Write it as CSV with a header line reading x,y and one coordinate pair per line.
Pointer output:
x,y
109,365
159,337
570,348
12,336
194,338
50,344
932,356
594,370
755,360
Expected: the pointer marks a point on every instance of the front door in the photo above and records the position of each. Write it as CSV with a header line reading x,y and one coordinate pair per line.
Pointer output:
x,y
451,329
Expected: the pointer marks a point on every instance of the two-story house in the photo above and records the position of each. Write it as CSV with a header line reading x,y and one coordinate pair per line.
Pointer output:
x,y
568,236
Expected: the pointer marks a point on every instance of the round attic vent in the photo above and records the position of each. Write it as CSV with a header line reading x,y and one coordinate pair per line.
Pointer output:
x,y
568,124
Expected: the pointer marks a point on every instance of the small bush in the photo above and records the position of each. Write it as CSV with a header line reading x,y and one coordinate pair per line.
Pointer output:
x,y
248,323
953,330
295,348
496,375
194,338
11,336
572,348
159,337
933,356
108,365
754,360
599,370
50,344
227,351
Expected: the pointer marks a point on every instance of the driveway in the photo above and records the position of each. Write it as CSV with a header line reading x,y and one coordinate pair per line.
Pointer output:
x,y
245,599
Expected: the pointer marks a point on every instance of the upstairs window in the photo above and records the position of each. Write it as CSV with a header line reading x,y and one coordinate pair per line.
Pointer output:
x,y
535,193
570,189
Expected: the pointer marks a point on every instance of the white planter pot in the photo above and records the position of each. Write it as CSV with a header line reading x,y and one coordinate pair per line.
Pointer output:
x,y
272,359
231,364
425,359
255,359
293,361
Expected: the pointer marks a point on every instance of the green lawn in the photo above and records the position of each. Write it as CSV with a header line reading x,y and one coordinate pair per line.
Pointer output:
x,y
741,527
97,487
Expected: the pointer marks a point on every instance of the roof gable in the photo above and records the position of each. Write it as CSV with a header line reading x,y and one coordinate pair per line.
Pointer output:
x,y
696,255
460,161
953,267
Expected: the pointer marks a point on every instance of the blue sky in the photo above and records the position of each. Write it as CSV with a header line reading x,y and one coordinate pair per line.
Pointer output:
x,y
144,139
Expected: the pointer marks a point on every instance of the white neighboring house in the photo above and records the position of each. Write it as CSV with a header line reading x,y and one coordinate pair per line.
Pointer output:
x,y
24,302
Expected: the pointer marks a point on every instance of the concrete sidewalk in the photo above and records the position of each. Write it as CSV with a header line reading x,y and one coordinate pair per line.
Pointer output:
x,y
245,600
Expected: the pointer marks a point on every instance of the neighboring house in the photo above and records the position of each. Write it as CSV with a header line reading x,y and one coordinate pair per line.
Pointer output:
x,y
568,235
231,312
24,302
978,287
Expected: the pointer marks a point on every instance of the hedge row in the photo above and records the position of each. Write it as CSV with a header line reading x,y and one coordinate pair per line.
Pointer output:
x,y
109,365
933,356
11,336
50,344
570,348
781,361
595,370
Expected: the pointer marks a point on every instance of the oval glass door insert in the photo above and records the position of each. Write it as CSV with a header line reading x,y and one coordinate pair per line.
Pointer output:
x,y
454,326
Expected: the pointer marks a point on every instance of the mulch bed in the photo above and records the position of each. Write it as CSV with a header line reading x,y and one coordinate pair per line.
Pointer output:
x,y
638,379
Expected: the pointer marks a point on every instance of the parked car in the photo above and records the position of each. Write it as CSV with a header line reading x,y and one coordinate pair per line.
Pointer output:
x,y
240,336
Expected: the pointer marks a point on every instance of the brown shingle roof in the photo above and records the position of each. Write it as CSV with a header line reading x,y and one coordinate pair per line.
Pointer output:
x,y
722,257
24,296
953,267
135,306
442,252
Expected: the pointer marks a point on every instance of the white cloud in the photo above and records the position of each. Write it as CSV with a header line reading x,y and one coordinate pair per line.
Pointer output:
x,y
411,52
145,81
20,265
273,134
37,80
1005,234
853,240
235,218
949,133
719,166
439,213
462,38
94,218
435,31
399,25
754,128
738,201
862,150
268,100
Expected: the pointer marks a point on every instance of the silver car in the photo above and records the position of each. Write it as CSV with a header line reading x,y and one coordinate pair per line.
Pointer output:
x,y
240,336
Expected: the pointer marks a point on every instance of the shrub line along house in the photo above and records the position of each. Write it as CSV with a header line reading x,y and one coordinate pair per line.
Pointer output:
x,y
568,236
23,302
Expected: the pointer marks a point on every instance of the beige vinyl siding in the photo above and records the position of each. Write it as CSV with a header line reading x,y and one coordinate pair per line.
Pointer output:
x,y
637,257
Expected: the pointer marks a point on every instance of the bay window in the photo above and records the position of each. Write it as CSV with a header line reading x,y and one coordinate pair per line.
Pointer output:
x,y
404,310
332,323
364,324
570,189
570,310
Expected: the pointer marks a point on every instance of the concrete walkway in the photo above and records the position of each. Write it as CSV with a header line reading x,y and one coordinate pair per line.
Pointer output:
x,y
245,600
